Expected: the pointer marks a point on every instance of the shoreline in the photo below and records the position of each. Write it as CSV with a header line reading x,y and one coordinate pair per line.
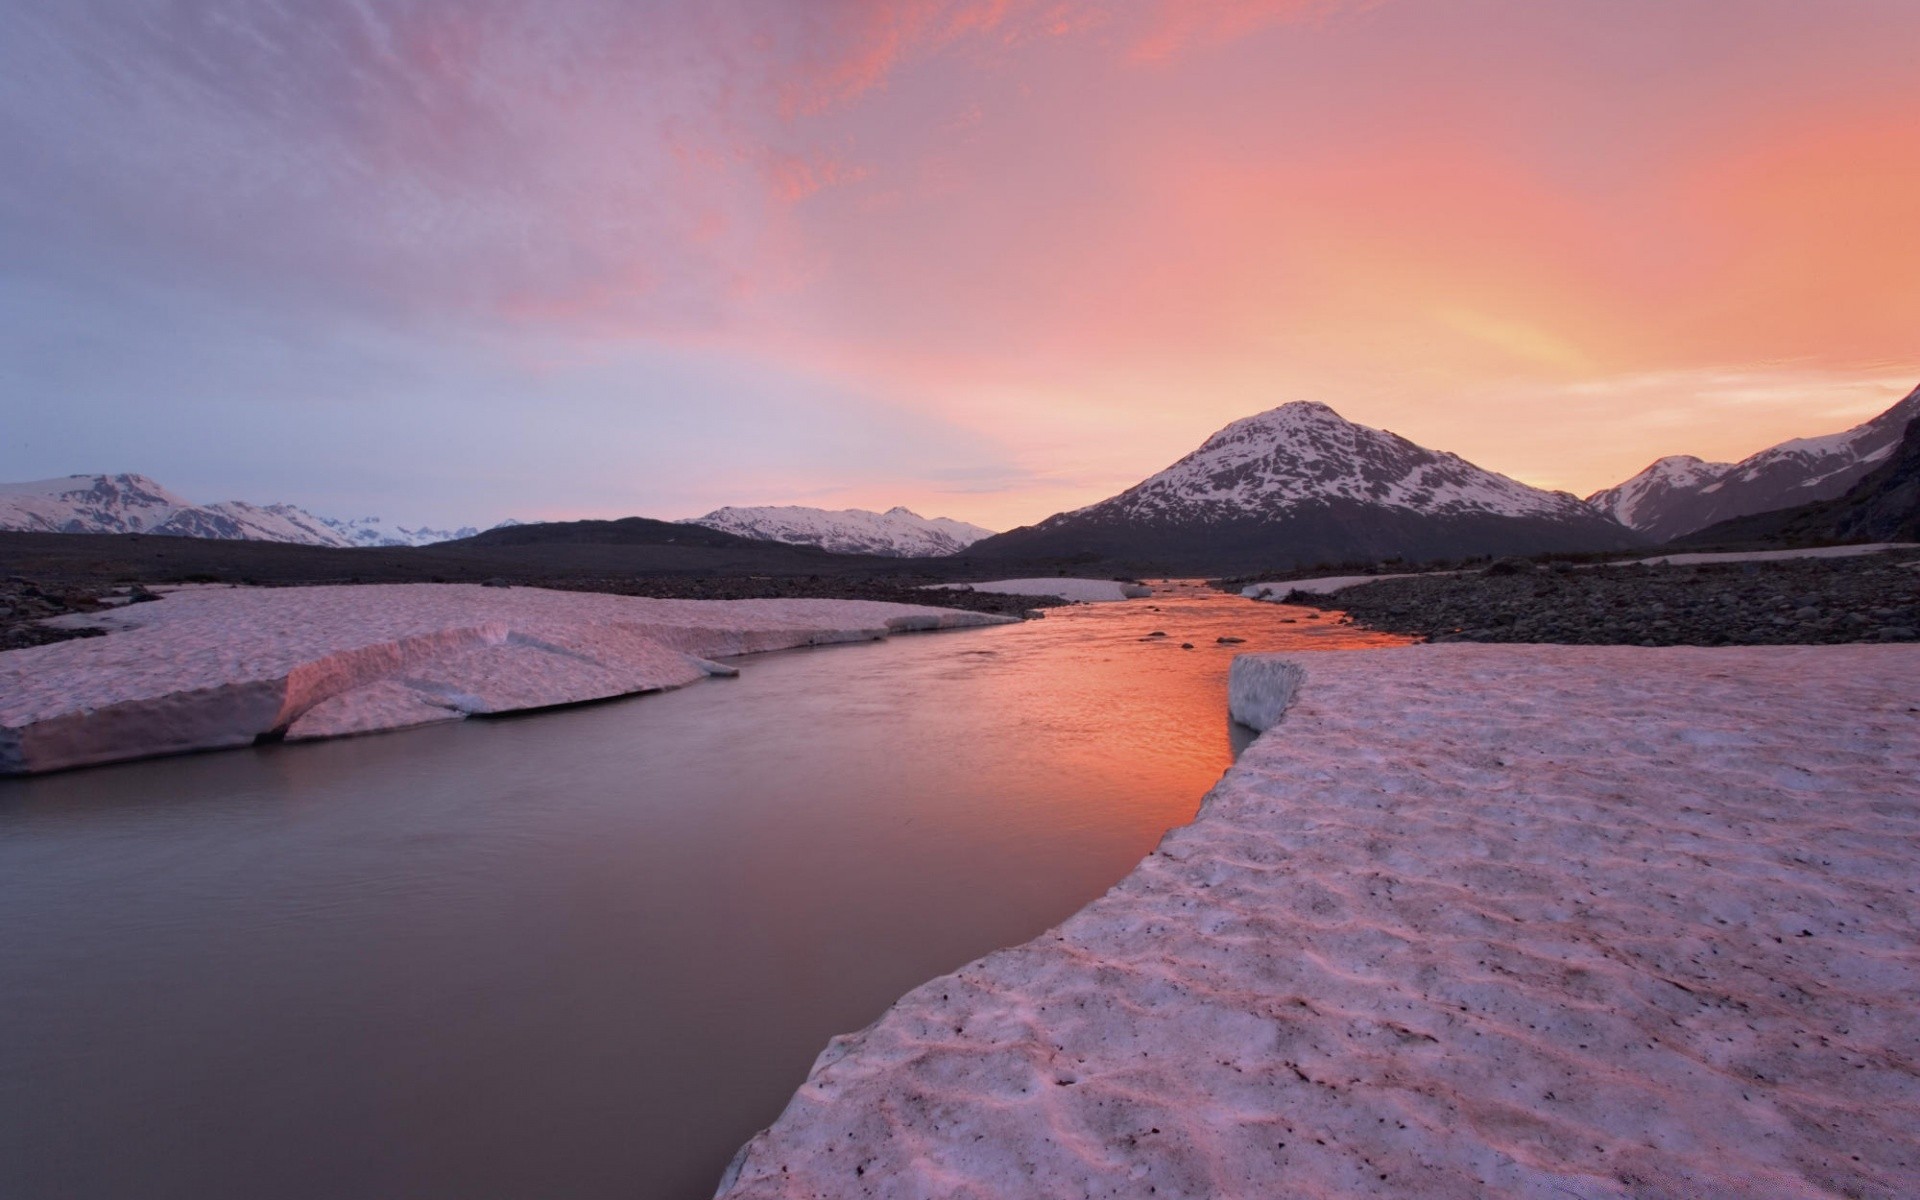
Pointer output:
x,y
216,667
1457,947
1800,600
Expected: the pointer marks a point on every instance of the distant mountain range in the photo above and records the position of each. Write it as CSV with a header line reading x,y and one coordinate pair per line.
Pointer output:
x,y
896,533
1680,495
1300,484
1883,506
136,504
1287,488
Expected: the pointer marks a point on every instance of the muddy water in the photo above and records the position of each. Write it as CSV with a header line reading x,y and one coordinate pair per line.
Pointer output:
x,y
577,954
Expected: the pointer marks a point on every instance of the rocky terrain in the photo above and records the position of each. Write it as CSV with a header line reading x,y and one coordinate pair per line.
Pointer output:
x,y
24,604
1808,601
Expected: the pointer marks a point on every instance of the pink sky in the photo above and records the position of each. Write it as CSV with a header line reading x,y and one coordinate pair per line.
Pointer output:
x,y
1056,243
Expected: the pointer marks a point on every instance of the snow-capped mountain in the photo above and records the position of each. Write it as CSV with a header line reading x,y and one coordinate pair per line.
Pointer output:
x,y
374,531
1300,484
897,533
1884,506
137,504
1679,495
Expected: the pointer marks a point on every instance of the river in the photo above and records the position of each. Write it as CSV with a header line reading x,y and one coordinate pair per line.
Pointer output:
x,y
581,953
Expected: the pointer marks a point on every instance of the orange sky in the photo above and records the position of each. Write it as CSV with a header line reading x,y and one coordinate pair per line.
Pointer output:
x,y
994,258
1558,244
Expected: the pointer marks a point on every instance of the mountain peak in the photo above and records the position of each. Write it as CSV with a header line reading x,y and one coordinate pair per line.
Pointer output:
x,y
1300,483
1305,454
899,532
131,503
1681,494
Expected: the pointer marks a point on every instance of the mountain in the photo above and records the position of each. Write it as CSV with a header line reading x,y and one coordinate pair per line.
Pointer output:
x,y
136,504
373,531
1884,506
896,533
1300,484
626,531
1677,496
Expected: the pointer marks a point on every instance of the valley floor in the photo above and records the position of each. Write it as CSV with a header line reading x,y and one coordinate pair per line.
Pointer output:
x,y
1468,921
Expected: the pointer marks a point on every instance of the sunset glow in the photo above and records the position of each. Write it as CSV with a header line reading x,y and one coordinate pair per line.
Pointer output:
x,y
989,260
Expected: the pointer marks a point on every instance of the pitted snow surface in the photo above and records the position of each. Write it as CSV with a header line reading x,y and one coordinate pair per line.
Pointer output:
x,y
1470,921
213,667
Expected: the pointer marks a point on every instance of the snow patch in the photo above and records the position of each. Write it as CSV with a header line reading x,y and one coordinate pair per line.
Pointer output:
x,y
215,667
1513,921
1259,688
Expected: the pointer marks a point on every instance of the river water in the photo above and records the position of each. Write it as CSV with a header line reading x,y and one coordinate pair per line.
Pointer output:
x,y
582,953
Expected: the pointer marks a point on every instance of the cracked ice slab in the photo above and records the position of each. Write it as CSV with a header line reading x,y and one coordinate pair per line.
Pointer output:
x,y
212,667
1511,921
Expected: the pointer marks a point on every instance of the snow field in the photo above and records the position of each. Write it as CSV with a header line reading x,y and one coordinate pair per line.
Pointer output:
x,y
212,667
1512,921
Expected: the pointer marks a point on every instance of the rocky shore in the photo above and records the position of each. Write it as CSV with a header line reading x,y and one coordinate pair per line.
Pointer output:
x,y
24,604
1811,601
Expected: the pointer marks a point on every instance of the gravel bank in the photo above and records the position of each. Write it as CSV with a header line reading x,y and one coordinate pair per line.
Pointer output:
x,y
1796,602
24,604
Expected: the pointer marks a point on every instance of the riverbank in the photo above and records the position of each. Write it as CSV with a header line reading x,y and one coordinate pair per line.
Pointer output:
x,y
211,667
1774,601
1508,921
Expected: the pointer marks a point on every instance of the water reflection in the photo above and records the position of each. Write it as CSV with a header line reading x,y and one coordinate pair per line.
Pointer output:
x,y
584,953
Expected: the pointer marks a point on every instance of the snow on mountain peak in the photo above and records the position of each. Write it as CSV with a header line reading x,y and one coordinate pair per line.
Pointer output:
x,y
128,503
1305,453
898,533
1680,494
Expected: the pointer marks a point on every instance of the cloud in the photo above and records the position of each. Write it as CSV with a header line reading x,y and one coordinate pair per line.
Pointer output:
x,y
1180,26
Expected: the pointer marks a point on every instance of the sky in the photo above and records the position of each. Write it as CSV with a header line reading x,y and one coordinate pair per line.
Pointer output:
x,y
451,261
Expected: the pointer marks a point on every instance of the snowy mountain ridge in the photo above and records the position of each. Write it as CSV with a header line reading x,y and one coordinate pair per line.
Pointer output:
x,y
897,533
1299,485
128,503
1306,453
1680,494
